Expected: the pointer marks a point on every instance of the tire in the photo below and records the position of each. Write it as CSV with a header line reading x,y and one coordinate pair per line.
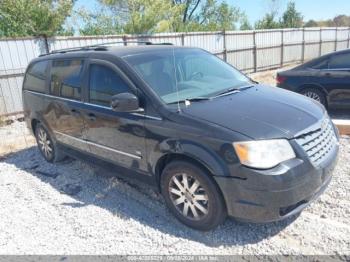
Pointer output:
x,y
47,147
315,94
204,213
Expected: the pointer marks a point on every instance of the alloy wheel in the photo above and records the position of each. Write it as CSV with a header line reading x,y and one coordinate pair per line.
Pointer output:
x,y
313,95
45,143
188,196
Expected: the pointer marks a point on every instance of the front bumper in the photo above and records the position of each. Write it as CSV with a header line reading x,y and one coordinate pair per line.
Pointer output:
x,y
275,194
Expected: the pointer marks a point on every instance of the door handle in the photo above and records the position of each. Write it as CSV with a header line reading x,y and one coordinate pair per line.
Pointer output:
x,y
91,116
75,112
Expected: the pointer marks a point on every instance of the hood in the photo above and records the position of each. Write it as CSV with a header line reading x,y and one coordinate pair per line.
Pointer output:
x,y
260,112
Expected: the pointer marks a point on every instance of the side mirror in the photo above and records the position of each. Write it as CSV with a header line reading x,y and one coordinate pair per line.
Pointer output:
x,y
124,102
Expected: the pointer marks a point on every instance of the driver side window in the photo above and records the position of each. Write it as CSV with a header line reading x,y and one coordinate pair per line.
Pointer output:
x,y
104,83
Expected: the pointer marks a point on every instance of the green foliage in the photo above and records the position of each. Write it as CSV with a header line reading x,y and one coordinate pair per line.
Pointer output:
x,y
99,23
342,20
268,22
311,23
142,16
153,16
33,17
245,25
217,17
291,18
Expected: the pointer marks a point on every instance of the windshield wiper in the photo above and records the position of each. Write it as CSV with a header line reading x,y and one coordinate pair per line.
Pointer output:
x,y
232,90
194,99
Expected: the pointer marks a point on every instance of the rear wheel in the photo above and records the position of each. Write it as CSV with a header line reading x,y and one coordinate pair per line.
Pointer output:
x,y
315,94
192,196
47,147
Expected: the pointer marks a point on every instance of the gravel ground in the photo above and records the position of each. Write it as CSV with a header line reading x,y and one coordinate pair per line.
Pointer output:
x,y
75,208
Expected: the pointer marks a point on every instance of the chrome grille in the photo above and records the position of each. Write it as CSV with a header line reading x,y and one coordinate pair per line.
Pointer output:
x,y
318,143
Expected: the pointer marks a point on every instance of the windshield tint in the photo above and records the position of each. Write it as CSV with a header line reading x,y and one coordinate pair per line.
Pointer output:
x,y
193,72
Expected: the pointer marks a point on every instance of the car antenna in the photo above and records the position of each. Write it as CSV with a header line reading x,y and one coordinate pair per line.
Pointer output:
x,y
176,87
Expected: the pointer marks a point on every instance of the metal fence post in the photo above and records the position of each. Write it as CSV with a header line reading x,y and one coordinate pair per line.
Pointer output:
x,y
182,39
255,53
303,47
224,45
320,51
336,39
125,40
46,44
282,47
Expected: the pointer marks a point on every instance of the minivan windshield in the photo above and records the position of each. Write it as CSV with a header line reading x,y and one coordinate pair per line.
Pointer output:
x,y
186,74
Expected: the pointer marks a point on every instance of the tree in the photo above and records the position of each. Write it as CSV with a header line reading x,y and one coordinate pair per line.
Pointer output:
x,y
342,20
245,25
311,23
268,22
98,23
149,16
291,18
33,17
215,17
189,8
143,16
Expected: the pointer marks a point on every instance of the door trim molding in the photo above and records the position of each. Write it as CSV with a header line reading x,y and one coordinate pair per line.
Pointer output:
x,y
100,146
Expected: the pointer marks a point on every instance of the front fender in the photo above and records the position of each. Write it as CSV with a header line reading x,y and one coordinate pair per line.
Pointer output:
x,y
190,150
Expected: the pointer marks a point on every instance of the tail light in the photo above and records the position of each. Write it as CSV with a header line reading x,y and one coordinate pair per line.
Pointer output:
x,y
280,79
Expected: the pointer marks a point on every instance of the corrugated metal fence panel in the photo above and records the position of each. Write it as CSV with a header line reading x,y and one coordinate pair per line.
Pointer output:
x,y
15,54
212,42
269,48
328,37
312,46
342,38
293,49
240,49
11,95
243,60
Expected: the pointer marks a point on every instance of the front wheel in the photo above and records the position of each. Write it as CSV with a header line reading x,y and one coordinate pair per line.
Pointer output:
x,y
192,196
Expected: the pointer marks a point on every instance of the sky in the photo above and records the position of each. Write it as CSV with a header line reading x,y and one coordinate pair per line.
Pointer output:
x,y
255,9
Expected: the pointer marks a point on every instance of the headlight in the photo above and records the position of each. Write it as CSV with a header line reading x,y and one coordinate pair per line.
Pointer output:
x,y
263,153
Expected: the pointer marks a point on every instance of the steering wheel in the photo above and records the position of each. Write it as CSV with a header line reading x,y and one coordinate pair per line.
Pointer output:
x,y
195,74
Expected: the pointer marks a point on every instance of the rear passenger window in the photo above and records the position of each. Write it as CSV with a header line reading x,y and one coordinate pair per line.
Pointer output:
x,y
104,83
36,77
66,78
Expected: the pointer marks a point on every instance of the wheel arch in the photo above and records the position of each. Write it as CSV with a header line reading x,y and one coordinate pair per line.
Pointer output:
x,y
171,156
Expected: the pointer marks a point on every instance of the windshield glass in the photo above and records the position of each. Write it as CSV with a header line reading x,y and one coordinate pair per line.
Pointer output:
x,y
194,73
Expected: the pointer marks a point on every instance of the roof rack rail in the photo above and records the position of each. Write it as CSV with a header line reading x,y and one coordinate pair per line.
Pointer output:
x,y
101,46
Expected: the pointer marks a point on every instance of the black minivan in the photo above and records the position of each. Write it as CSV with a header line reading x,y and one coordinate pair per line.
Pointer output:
x,y
213,142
